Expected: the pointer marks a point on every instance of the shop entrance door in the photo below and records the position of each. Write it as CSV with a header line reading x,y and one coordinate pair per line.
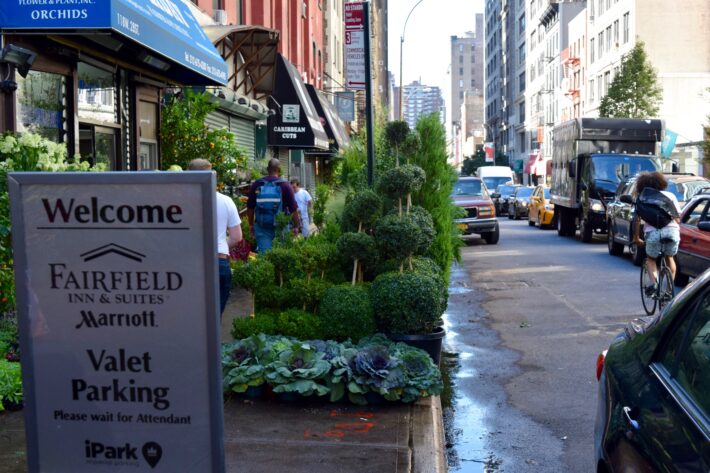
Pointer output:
x,y
98,144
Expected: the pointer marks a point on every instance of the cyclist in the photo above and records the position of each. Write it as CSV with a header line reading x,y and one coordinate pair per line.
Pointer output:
x,y
665,239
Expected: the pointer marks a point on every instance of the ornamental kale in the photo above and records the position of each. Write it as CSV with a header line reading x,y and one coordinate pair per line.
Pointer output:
x,y
423,378
373,369
299,368
242,364
340,356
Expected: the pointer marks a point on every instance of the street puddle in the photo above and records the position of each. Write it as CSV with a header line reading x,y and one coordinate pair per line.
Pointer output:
x,y
459,290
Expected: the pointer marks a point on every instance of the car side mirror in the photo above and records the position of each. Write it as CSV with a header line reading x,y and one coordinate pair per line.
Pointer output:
x,y
495,195
704,226
627,199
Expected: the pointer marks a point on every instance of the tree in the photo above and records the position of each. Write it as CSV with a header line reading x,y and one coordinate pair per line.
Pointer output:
x,y
471,164
634,92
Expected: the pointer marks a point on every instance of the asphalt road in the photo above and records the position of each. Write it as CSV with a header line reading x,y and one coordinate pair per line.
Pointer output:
x,y
526,320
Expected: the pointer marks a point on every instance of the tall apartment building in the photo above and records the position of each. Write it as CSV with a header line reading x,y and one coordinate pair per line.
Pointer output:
x,y
548,22
513,61
681,59
493,73
467,63
421,100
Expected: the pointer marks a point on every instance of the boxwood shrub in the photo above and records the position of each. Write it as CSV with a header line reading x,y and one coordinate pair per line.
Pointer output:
x,y
346,313
408,303
292,323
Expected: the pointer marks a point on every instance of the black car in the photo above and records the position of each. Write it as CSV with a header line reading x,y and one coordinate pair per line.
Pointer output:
x,y
621,216
501,195
653,410
519,202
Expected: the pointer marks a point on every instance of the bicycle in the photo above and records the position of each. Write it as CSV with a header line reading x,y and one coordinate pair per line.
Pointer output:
x,y
662,293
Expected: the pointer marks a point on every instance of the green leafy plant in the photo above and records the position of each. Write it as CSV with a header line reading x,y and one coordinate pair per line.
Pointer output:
x,y
289,323
323,193
634,92
300,369
422,376
252,274
396,133
420,264
346,313
408,303
243,363
402,181
375,370
358,247
362,211
397,237
10,383
308,293
184,136
285,260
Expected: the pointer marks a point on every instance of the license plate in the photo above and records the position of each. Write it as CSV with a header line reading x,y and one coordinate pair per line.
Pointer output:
x,y
462,226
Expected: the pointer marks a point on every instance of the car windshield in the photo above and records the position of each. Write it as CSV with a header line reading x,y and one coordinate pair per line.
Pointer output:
x,y
505,190
546,191
471,187
613,169
493,182
524,192
685,190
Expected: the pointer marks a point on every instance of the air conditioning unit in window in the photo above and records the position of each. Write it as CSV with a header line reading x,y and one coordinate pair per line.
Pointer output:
x,y
220,17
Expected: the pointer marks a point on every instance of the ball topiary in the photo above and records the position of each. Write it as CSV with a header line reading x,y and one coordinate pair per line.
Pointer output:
x,y
362,210
396,132
422,219
397,237
285,261
400,181
346,313
419,263
407,303
359,248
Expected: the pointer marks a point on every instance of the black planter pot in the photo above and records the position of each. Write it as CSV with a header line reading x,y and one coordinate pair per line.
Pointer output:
x,y
430,342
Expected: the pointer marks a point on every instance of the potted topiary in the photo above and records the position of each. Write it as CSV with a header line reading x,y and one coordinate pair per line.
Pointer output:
x,y
408,307
346,313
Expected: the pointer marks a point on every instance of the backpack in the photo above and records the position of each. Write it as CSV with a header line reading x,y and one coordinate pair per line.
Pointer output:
x,y
655,208
268,203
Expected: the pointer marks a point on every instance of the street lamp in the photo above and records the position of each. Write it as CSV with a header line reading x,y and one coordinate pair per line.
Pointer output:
x,y
401,47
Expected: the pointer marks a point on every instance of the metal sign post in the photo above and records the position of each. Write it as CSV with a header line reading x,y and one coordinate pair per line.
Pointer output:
x,y
368,102
117,305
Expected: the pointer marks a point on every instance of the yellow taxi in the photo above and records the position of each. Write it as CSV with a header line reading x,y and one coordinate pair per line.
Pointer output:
x,y
542,211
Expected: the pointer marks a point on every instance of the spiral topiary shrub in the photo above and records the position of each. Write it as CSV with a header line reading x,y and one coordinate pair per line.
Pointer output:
x,y
407,303
346,313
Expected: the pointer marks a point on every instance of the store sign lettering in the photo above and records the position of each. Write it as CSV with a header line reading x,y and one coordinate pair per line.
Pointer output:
x,y
92,212
168,7
290,132
59,14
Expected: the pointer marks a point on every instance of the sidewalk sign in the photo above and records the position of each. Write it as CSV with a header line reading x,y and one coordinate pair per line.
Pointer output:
x,y
355,58
116,279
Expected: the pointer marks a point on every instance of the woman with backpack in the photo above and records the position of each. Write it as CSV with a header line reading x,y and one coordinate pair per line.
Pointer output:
x,y
659,210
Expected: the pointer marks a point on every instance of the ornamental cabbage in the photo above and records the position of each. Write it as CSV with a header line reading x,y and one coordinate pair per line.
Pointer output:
x,y
299,369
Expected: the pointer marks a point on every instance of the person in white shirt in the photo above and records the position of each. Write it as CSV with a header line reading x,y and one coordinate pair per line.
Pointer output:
x,y
228,232
305,205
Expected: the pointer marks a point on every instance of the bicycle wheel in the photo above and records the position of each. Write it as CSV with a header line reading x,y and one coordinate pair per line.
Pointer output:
x,y
665,287
647,297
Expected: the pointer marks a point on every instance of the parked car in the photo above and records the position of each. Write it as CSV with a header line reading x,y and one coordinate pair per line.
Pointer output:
x,y
500,197
470,193
693,256
653,406
518,202
621,216
541,210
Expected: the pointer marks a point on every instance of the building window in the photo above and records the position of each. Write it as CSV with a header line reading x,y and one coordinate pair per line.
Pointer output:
x,y
461,84
460,71
600,44
591,50
216,4
607,79
521,82
608,38
626,27
461,48
41,99
473,83
616,33
460,59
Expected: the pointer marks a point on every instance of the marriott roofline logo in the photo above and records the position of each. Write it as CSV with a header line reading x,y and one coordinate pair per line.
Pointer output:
x,y
94,211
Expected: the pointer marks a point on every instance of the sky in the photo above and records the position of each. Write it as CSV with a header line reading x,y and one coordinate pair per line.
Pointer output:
x,y
427,39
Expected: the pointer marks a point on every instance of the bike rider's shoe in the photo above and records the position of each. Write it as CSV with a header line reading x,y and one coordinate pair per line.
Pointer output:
x,y
650,290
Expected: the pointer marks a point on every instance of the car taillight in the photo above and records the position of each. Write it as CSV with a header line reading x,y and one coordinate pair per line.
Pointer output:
x,y
600,364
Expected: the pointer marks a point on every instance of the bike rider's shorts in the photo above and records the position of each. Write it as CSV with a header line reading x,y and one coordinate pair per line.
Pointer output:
x,y
670,237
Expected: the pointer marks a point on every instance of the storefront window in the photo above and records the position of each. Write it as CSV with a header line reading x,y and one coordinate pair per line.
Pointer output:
x,y
41,105
97,94
148,116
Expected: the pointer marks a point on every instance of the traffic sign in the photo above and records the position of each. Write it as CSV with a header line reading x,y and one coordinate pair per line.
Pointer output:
x,y
355,46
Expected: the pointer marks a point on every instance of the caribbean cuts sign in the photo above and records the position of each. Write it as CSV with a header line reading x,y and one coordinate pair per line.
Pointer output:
x,y
117,298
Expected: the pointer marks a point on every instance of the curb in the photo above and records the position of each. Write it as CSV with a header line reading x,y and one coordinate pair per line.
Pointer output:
x,y
427,437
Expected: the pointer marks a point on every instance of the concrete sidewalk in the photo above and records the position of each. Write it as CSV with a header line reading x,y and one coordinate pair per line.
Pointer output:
x,y
269,436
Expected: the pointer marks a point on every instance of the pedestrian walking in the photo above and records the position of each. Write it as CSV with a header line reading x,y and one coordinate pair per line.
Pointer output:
x,y
228,232
305,206
267,197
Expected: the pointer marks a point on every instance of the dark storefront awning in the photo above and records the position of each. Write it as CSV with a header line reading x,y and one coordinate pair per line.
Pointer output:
x,y
161,35
296,123
335,129
257,46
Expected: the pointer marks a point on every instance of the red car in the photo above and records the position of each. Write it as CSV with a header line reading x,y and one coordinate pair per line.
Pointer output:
x,y
693,256
471,194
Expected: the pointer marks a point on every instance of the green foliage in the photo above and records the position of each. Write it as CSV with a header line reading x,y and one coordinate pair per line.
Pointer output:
x,y
330,232
364,208
408,303
243,363
396,133
400,181
346,313
426,234
435,194
397,237
291,323
315,254
360,246
252,274
323,193
285,260
471,164
300,369
184,136
420,264
635,91
9,344
10,383
308,293
271,297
